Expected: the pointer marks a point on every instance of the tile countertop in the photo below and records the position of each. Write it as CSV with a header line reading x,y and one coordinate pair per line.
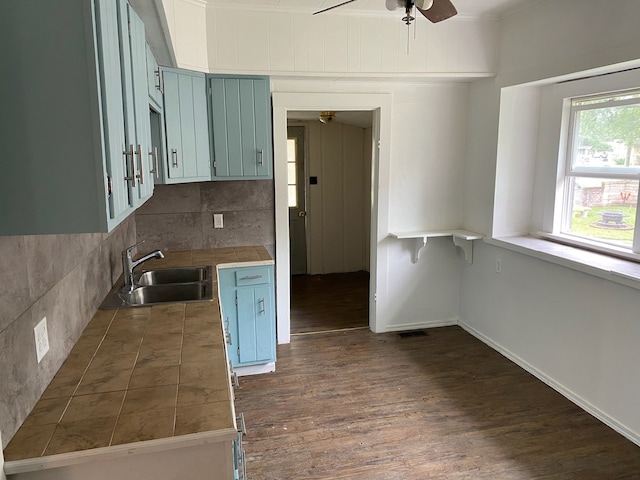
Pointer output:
x,y
146,376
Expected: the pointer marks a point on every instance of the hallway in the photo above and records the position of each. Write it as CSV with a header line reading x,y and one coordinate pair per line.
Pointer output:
x,y
329,302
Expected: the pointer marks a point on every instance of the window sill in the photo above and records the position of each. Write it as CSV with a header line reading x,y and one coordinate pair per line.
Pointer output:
x,y
618,270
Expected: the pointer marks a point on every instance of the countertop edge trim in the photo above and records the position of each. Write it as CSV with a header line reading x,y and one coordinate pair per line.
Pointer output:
x,y
118,451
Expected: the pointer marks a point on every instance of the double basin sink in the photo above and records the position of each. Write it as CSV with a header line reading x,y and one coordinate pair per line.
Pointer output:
x,y
163,285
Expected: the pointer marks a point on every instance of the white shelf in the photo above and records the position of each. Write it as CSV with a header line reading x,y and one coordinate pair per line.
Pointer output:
x,y
461,238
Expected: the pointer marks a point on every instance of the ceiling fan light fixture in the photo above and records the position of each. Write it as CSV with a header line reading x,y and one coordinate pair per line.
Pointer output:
x,y
326,117
424,4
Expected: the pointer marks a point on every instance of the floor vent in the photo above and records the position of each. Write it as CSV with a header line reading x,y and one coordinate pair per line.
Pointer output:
x,y
413,333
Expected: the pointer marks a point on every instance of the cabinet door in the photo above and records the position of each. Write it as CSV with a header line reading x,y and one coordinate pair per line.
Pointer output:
x,y
154,79
241,127
136,104
255,325
187,127
112,112
144,157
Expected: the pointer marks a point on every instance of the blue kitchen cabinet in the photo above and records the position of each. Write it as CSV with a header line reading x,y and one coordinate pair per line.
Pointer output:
x,y
186,127
66,163
247,300
241,127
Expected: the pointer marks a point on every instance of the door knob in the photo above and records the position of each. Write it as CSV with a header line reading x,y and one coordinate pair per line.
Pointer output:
x,y
302,213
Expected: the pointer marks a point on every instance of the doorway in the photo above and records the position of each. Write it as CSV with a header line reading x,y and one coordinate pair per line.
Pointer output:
x,y
329,195
380,106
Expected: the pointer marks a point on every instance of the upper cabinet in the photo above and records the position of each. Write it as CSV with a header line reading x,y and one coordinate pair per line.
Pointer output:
x,y
76,156
241,127
188,156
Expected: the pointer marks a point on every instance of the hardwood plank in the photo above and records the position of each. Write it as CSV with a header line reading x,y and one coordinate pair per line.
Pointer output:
x,y
357,405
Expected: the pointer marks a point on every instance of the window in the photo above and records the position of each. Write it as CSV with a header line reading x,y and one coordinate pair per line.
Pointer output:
x,y
292,177
602,172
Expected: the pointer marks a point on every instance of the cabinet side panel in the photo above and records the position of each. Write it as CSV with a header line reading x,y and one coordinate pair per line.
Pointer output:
x,y
50,124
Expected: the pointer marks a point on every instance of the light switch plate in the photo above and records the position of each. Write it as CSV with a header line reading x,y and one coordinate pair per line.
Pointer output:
x,y
218,221
42,338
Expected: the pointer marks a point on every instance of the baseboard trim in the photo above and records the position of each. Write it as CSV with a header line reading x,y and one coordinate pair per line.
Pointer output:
x,y
445,322
573,397
255,369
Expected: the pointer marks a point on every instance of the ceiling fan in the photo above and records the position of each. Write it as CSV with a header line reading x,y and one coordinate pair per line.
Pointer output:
x,y
433,10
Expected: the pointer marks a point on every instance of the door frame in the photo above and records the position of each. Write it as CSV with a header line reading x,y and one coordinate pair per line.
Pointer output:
x,y
380,105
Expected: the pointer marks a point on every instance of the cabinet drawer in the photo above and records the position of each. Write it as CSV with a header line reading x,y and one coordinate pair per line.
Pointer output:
x,y
252,276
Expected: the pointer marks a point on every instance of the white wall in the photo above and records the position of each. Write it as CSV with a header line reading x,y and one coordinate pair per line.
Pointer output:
x,y
423,185
280,42
553,38
577,332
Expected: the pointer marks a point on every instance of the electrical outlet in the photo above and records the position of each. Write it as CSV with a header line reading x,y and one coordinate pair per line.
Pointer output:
x,y
42,338
498,265
218,221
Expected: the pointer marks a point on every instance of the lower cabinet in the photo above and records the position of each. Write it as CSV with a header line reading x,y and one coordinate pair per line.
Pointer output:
x,y
247,301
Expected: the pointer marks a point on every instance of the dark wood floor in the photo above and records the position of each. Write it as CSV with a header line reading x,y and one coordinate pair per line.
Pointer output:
x,y
358,405
329,302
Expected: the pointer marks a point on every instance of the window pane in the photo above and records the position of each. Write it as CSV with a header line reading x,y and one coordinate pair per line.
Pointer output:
x,y
291,173
607,138
292,196
291,149
602,210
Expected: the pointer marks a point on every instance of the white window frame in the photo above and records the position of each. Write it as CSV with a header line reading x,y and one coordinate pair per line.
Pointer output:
x,y
570,171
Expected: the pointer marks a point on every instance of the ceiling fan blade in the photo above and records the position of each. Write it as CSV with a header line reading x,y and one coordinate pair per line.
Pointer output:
x,y
440,10
335,6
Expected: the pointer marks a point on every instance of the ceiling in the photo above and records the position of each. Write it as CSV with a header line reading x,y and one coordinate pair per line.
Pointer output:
x,y
464,7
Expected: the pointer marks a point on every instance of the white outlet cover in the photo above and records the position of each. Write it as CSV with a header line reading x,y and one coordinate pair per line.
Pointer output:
x,y
218,221
42,338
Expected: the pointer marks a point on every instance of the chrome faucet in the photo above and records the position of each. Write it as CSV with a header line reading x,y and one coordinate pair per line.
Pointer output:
x,y
128,264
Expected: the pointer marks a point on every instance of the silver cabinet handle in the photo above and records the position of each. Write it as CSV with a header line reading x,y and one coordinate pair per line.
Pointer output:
x,y
251,277
174,155
159,84
141,174
261,157
261,306
132,162
154,157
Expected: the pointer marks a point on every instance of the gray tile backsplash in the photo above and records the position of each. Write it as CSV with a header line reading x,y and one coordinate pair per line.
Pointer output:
x,y
62,277
180,217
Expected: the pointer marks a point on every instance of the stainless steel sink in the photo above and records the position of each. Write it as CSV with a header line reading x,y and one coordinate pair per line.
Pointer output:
x,y
178,292
162,276
163,285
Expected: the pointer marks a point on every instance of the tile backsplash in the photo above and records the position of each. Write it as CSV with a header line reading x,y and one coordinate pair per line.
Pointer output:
x,y
180,217
63,278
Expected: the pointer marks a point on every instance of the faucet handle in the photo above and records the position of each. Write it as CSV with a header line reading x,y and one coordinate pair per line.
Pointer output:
x,y
128,250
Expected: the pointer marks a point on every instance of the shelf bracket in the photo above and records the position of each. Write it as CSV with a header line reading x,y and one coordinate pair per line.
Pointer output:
x,y
421,242
466,246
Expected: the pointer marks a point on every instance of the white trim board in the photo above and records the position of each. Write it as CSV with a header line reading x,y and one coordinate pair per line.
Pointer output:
x,y
573,397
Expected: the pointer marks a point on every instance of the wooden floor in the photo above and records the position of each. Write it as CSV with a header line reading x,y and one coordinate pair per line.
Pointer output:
x,y
358,405
329,302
